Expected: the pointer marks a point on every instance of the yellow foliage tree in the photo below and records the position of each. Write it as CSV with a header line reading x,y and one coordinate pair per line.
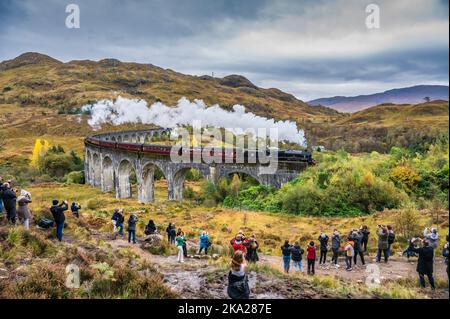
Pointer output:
x,y
40,149
407,176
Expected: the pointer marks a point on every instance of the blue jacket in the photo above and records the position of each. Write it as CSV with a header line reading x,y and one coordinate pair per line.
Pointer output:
x,y
204,239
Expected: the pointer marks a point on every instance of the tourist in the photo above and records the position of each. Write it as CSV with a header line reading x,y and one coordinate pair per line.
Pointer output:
x,y
59,218
432,237
286,252
391,238
383,244
150,229
204,242
132,228
238,244
335,246
323,240
23,212
296,256
252,249
349,252
445,253
365,239
75,208
2,187
181,233
425,262
311,257
413,241
180,242
171,233
356,236
238,287
118,219
9,202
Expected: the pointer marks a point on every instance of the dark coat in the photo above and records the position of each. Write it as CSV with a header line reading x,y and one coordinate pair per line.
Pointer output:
x,y
132,223
58,212
323,243
297,253
335,241
357,239
252,251
150,228
425,261
365,234
9,201
118,217
238,287
286,250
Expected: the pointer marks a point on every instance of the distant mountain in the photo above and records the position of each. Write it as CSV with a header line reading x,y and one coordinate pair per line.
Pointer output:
x,y
409,95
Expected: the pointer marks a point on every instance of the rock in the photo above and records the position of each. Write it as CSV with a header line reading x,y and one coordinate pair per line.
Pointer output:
x,y
4,273
215,256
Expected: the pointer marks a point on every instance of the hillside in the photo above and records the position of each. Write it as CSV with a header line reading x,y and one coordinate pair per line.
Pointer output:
x,y
49,93
33,79
409,95
380,127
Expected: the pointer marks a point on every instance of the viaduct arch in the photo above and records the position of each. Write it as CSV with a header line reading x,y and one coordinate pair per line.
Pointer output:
x,y
111,158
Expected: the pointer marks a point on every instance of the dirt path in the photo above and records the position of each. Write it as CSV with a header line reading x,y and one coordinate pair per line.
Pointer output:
x,y
197,278
397,268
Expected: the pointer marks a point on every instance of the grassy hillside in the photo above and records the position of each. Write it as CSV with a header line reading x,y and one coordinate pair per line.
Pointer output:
x,y
52,87
381,127
38,80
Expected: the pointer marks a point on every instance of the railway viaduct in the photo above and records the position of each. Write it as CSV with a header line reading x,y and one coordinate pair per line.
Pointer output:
x,y
109,166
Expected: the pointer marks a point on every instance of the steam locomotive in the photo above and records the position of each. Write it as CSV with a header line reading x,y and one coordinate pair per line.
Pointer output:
x,y
227,154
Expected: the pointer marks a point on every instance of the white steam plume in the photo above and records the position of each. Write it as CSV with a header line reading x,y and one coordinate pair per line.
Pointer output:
x,y
124,110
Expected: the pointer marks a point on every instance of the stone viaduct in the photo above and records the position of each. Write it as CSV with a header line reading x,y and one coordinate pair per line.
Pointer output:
x,y
111,158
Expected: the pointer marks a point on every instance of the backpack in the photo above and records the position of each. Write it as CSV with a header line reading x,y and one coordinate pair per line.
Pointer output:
x,y
391,238
45,223
238,289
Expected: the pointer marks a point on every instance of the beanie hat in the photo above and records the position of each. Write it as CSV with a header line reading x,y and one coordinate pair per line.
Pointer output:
x,y
55,202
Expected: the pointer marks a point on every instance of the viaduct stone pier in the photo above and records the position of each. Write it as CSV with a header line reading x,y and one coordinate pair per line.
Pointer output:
x,y
111,158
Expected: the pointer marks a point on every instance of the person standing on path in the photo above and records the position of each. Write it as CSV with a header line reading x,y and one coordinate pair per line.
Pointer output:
x,y
335,247
132,228
311,256
180,241
286,253
425,262
323,240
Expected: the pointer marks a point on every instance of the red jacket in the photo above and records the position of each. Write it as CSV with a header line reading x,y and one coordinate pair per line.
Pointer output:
x,y
311,252
239,246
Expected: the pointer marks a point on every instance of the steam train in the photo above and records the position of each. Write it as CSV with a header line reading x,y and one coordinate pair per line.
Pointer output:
x,y
227,154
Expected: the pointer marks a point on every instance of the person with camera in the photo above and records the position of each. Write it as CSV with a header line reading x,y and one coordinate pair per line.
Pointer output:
x,y
383,243
425,262
365,240
9,202
118,220
356,237
75,208
323,240
23,212
445,253
132,228
59,218
432,237
1,194
252,249
335,247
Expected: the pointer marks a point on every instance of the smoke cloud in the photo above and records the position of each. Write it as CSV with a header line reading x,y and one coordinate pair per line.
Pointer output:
x,y
123,110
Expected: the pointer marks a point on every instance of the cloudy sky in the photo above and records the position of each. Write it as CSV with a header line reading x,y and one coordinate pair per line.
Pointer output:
x,y
310,48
